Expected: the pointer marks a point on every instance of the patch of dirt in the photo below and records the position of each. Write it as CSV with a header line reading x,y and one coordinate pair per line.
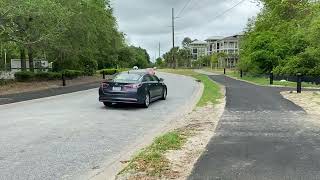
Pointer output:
x,y
199,126
19,87
310,102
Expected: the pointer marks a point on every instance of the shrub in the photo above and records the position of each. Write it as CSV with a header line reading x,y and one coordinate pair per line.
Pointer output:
x,y
111,71
54,76
24,76
73,73
90,67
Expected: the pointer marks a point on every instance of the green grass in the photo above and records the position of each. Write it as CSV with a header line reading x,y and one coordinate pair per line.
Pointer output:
x,y
211,91
262,80
152,160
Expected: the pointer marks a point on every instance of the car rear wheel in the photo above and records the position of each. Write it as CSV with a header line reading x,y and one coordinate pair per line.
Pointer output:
x,y
107,104
147,101
164,94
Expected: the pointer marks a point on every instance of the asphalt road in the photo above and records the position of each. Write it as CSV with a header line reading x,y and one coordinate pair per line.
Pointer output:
x,y
68,136
261,136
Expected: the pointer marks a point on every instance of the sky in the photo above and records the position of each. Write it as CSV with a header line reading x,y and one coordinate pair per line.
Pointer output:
x,y
147,23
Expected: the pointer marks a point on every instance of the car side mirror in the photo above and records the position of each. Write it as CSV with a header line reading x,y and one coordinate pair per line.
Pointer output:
x,y
161,80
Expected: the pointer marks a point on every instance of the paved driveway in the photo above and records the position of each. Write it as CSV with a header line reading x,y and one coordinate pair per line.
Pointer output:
x,y
261,136
68,136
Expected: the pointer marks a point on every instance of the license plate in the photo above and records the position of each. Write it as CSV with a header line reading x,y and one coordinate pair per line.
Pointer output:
x,y
116,88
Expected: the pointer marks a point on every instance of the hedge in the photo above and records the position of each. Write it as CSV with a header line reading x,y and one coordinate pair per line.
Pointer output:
x,y
25,76
111,71
73,73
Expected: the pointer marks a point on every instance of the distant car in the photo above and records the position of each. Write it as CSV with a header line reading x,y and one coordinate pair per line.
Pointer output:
x,y
135,68
133,87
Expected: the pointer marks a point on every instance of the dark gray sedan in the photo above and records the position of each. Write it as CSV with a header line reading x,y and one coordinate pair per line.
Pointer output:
x,y
136,87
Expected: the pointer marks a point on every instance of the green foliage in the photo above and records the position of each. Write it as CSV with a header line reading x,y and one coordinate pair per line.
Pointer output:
x,y
24,76
45,76
109,71
152,159
283,38
159,62
73,34
112,71
73,73
27,76
182,56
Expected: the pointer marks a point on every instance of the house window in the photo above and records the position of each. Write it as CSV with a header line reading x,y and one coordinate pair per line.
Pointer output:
x,y
210,49
195,51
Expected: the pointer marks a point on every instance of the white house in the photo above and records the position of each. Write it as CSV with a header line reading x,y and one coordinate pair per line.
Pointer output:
x,y
215,44
198,49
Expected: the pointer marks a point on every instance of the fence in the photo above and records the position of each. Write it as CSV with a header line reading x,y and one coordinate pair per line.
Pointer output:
x,y
299,79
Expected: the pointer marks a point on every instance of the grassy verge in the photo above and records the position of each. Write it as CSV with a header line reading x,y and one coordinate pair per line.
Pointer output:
x,y
262,80
211,90
151,160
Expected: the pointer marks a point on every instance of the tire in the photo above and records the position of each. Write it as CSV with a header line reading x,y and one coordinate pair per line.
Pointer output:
x,y
147,100
107,104
164,94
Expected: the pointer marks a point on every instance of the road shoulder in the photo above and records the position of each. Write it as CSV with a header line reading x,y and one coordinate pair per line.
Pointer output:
x,y
196,129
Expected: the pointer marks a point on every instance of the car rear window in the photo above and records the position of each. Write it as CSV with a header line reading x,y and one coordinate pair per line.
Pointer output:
x,y
126,77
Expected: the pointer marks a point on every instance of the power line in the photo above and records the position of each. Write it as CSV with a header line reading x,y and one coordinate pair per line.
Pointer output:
x,y
226,11
184,7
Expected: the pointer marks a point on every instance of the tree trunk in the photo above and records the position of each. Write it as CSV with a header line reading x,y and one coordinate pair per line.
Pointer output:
x,y
30,55
23,59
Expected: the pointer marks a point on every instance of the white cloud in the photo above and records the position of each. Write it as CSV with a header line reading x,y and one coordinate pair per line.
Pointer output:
x,y
146,22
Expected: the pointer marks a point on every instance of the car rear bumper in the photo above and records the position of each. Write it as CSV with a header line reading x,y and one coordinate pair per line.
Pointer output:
x,y
120,97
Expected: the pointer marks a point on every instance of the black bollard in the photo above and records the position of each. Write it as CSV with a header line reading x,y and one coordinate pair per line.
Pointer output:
x,y
241,73
103,75
224,70
299,82
63,80
271,78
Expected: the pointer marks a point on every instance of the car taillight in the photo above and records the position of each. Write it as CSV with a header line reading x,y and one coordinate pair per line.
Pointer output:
x,y
104,85
133,86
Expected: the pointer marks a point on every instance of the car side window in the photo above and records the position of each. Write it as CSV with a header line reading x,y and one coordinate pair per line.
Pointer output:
x,y
146,78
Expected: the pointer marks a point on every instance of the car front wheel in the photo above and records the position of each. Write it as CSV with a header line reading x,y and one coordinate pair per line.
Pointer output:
x,y
164,94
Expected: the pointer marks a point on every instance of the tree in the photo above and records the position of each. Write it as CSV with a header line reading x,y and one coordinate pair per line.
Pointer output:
x,y
282,35
32,23
186,41
159,62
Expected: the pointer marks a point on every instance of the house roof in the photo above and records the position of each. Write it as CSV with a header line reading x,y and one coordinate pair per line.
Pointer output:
x,y
198,42
214,38
235,37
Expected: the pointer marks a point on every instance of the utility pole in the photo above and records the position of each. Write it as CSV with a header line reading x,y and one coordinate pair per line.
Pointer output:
x,y
173,53
159,50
